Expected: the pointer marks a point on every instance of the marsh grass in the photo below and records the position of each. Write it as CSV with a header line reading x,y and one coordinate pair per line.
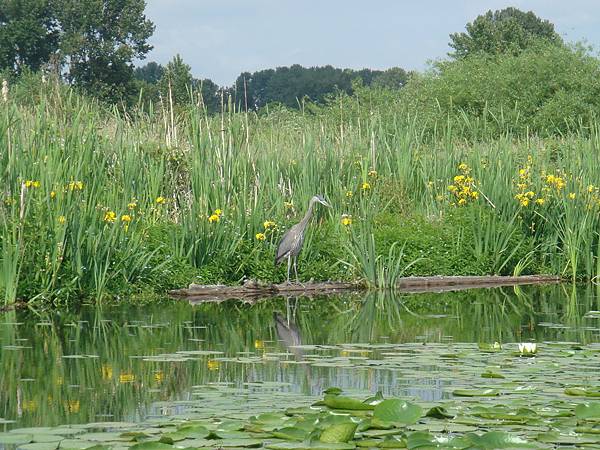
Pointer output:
x,y
122,200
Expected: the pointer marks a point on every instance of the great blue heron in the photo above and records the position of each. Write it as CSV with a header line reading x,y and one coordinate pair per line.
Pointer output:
x,y
291,242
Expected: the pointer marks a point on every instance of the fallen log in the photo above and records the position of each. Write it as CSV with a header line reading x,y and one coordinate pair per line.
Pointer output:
x,y
253,290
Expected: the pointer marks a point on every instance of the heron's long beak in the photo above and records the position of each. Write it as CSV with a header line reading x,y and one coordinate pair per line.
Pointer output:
x,y
325,203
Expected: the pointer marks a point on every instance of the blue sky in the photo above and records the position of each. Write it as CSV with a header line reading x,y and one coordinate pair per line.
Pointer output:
x,y
220,39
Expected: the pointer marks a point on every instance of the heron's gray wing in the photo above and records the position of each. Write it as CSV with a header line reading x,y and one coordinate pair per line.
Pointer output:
x,y
288,243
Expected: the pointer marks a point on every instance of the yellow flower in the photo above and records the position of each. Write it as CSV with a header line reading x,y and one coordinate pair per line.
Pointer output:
x,y
346,220
429,184
107,372
349,194
550,179
540,201
474,195
73,406
62,220
260,236
52,194
572,195
125,218
132,205
218,212
530,194
523,173
452,188
591,188
269,224
462,202
160,200
32,184
463,167
212,364
213,218
373,173
159,376
258,344
126,378
524,201
366,186
29,405
459,178
110,216
288,205
75,185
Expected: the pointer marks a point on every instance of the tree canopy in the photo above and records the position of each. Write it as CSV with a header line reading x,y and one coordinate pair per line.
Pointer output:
x,y
93,41
508,30
291,85
29,34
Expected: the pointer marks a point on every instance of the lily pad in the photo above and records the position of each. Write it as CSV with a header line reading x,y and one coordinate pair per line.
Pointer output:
x,y
397,411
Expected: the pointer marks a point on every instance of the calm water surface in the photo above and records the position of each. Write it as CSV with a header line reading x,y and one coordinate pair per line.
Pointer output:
x,y
130,363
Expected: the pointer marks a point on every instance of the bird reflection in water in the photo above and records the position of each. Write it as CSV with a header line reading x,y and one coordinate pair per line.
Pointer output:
x,y
289,334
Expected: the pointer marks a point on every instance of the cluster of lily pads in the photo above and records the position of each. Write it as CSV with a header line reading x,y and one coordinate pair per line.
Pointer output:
x,y
337,421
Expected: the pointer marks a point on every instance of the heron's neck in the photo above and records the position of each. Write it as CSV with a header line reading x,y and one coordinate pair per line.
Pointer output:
x,y
308,214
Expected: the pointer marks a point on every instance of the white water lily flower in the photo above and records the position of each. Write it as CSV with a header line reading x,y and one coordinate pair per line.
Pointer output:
x,y
528,347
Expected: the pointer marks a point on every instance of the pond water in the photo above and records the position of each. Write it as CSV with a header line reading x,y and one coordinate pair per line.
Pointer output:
x,y
133,364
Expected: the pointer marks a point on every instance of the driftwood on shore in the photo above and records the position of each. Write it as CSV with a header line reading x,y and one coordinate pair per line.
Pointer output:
x,y
252,290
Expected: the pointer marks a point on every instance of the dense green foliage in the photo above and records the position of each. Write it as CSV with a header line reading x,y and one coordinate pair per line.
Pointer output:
x,y
95,203
293,85
508,30
94,41
28,34
548,90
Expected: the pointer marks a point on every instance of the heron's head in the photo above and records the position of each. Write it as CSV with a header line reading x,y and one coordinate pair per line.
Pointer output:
x,y
321,200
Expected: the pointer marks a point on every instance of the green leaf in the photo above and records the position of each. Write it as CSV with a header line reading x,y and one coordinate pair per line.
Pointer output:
x,y
490,374
398,411
39,446
439,412
583,392
588,411
332,391
342,432
374,400
310,446
290,434
14,438
498,439
153,445
476,392
340,402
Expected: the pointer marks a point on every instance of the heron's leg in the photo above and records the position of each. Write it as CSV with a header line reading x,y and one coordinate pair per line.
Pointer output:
x,y
288,272
296,269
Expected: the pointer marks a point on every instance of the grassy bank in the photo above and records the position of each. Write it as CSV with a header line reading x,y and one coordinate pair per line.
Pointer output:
x,y
98,203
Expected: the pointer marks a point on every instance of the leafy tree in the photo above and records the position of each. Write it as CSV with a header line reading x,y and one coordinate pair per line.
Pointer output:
x,y
211,97
99,40
291,85
176,82
545,89
392,78
28,34
509,30
151,72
